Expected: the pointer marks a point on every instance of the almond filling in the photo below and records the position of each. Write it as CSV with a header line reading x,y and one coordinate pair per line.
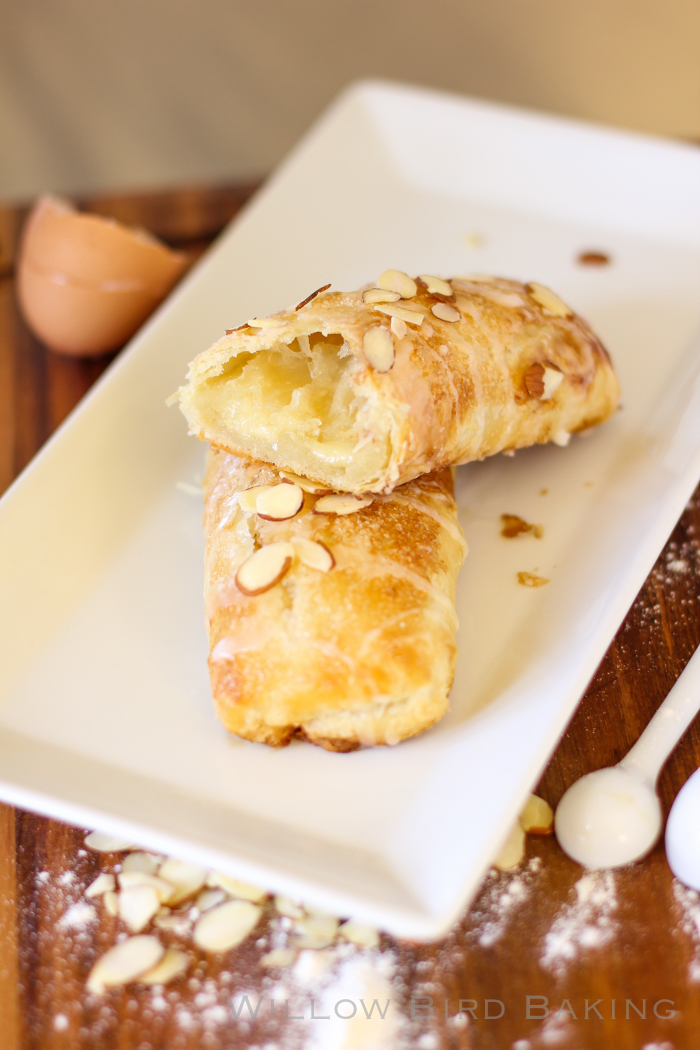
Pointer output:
x,y
294,403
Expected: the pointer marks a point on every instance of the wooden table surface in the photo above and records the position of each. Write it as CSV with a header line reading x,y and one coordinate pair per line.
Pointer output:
x,y
638,939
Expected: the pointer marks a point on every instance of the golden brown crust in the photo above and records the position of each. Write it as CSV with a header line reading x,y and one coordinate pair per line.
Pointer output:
x,y
456,392
363,654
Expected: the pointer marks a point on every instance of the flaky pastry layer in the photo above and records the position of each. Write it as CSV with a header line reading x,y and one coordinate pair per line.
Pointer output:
x,y
363,654
300,392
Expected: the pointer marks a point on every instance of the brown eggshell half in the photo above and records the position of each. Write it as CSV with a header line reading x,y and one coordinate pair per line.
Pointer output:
x,y
87,283
82,322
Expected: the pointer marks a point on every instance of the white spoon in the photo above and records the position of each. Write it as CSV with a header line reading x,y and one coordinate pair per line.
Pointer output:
x,y
683,833
613,816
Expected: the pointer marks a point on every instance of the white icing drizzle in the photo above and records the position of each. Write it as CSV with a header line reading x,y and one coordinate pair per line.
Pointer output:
x,y
373,565
425,508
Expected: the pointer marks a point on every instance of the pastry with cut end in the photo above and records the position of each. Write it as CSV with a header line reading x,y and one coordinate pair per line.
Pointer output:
x,y
337,625
364,391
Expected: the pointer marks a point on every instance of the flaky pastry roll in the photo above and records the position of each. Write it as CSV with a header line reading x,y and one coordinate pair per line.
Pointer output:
x,y
336,623
365,391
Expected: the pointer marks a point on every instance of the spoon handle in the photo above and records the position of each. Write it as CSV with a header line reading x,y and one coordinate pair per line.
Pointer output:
x,y
668,724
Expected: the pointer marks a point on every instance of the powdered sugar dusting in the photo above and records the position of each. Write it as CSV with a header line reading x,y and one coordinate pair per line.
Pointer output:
x,y
688,902
588,922
502,896
78,916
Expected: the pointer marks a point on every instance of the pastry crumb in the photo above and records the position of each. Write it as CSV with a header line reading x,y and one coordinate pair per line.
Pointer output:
x,y
514,525
530,579
593,258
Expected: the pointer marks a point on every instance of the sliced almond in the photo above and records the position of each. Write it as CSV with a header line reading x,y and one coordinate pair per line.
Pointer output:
x,y
313,554
534,380
280,502
236,887
137,906
248,499
264,568
359,933
445,312
436,285
187,879
224,927
124,963
165,890
104,883
513,849
340,503
286,906
378,346
279,957
399,328
398,281
111,902
209,899
551,379
315,487
548,300
380,295
139,861
102,843
537,816
170,966
174,922
315,931
561,438
403,312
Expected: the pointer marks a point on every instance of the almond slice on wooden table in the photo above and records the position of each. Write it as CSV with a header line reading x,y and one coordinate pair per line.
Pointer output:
x,y
187,879
537,816
124,963
513,849
280,502
378,346
264,568
340,503
398,281
104,883
224,927
315,931
137,906
290,908
140,861
359,933
102,843
236,887
111,902
209,899
164,889
170,966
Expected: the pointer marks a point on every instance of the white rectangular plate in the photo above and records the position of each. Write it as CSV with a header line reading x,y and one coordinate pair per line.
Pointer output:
x,y
105,714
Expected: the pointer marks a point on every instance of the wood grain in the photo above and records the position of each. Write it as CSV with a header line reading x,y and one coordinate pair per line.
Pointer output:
x,y
649,949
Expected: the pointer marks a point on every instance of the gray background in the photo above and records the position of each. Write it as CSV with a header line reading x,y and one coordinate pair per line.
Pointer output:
x,y
104,94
